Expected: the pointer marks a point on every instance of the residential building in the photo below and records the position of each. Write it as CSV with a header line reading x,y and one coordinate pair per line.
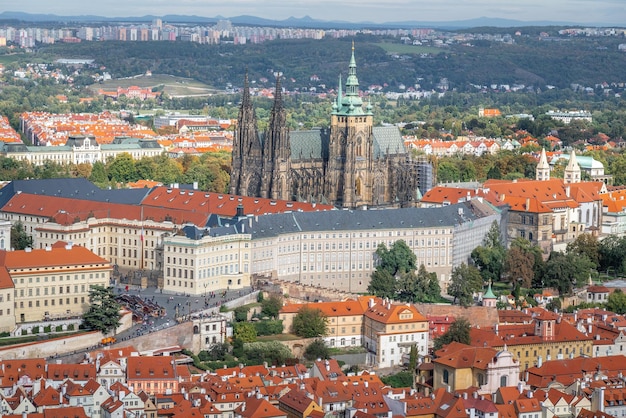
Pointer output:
x,y
345,320
390,330
153,375
458,366
546,337
53,282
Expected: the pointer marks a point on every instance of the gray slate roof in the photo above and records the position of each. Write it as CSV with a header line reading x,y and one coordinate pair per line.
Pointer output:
x,y
267,226
77,188
387,140
308,145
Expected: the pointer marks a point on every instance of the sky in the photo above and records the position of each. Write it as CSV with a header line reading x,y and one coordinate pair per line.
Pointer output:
x,y
611,12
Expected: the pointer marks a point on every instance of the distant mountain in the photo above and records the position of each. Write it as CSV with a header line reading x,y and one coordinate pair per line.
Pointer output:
x,y
305,21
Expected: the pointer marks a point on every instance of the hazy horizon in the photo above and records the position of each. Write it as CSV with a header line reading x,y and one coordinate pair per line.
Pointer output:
x,y
609,12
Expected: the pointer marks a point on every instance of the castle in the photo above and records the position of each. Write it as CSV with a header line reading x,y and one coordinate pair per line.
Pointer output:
x,y
352,164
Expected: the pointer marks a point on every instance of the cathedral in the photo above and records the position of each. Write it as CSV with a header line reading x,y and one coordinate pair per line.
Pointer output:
x,y
351,164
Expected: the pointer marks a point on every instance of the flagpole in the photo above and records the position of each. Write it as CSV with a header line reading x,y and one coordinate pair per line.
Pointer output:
x,y
141,266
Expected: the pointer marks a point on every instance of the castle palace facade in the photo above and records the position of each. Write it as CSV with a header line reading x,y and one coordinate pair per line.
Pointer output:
x,y
352,164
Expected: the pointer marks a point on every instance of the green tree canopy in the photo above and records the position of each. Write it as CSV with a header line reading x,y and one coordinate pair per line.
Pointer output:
x,y
464,282
104,312
586,245
245,332
317,350
309,323
382,284
489,257
617,302
459,331
396,260
271,306
272,352
19,237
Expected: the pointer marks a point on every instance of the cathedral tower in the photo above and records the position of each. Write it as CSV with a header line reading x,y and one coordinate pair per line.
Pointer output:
x,y
275,178
351,146
572,171
247,152
542,172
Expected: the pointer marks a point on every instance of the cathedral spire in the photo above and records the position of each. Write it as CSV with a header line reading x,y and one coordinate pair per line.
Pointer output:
x,y
278,97
245,97
350,103
572,171
542,171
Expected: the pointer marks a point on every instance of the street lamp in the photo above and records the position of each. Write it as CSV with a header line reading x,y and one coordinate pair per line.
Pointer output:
x,y
205,286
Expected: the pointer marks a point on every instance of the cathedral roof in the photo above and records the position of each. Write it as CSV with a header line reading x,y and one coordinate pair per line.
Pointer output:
x,y
387,140
313,144
306,145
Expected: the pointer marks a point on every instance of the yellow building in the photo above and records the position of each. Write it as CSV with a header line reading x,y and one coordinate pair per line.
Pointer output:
x,y
546,337
53,282
345,321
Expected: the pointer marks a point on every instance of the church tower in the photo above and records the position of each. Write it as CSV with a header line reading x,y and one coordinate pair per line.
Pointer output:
x,y
572,171
542,171
247,152
275,178
351,146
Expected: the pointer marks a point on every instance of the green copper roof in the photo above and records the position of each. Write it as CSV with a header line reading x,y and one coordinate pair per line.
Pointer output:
x,y
489,293
351,103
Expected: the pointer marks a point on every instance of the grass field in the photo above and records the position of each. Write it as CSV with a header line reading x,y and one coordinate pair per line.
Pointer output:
x,y
393,48
172,85
9,58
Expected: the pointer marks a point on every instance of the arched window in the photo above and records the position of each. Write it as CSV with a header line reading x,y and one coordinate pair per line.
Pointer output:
x,y
503,381
196,329
446,376
357,187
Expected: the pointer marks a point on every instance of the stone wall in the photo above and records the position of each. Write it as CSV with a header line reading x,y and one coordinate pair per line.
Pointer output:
x,y
476,315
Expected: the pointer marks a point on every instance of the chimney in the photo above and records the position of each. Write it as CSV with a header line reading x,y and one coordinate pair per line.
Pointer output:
x,y
496,329
527,204
520,387
539,361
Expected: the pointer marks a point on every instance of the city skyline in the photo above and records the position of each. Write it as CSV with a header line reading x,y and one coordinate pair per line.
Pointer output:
x,y
609,12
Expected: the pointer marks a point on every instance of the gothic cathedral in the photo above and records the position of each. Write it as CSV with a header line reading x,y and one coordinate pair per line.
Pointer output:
x,y
351,165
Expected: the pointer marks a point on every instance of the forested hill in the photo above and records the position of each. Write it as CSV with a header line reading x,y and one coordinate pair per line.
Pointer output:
x,y
528,61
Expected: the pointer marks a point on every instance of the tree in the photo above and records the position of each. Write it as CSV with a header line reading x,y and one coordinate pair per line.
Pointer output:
x,y
217,352
489,257
396,260
19,238
98,173
317,350
309,322
587,245
241,313
523,262
459,331
271,306
104,313
464,282
382,284
402,379
273,352
245,332
617,302
564,271
420,287
122,169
